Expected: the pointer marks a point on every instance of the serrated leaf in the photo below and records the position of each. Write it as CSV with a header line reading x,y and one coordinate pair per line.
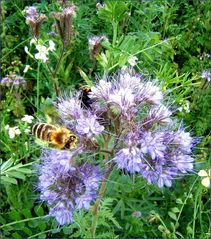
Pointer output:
x,y
27,231
16,235
42,226
43,235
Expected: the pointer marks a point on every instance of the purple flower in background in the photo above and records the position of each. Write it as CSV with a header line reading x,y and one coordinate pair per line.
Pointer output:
x,y
66,187
206,75
31,13
13,80
34,20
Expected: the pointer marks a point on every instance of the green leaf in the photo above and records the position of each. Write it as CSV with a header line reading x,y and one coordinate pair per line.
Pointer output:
x,y
27,231
15,215
175,209
16,174
9,180
179,201
25,170
6,165
172,215
16,235
39,210
26,212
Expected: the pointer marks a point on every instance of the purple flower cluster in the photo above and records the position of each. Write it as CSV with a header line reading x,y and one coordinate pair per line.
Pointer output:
x,y
126,117
148,142
133,109
66,187
13,80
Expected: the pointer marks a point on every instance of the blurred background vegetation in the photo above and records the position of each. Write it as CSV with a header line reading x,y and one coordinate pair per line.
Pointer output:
x,y
171,40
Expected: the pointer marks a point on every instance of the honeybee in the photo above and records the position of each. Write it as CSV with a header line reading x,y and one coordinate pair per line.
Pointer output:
x,y
58,137
85,100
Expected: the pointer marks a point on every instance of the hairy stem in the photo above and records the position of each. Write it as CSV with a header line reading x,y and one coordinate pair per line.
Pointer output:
x,y
102,190
95,208
54,73
38,86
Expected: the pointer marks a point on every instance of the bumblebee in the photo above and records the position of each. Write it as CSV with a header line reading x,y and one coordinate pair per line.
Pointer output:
x,y
58,137
84,96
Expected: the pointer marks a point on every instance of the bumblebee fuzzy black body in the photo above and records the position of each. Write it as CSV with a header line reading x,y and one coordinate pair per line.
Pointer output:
x,y
58,137
84,97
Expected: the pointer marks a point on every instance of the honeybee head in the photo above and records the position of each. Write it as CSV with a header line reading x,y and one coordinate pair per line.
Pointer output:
x,y
72,142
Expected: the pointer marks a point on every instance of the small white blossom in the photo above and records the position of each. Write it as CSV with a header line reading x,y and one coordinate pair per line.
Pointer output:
x,y
33,41
206,75
26,49
132,60
27,130
51,46
205,181
27,118
42,53
13,131
27,67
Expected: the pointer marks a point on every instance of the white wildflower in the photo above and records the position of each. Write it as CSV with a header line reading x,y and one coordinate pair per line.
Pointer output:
x,y
26,49
13,131
27,67
33,41
132,60
207,176
42,53
27,118
51,46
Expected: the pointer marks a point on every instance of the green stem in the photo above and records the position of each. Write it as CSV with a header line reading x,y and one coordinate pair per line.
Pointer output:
x,y
102,190
114,24
55,80
38,85
95,208
24,220
180,212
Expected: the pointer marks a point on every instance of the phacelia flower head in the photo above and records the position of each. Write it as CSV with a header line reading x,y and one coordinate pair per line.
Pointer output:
x,y
127,119
66,187
133,111
64,23
95,46
13,80
206,75
34,20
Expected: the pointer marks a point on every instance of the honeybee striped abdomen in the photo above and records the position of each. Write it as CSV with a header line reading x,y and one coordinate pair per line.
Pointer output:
x,y
43,131
58,137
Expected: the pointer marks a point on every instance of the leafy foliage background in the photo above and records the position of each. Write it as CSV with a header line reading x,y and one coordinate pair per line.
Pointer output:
x,y
172,43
